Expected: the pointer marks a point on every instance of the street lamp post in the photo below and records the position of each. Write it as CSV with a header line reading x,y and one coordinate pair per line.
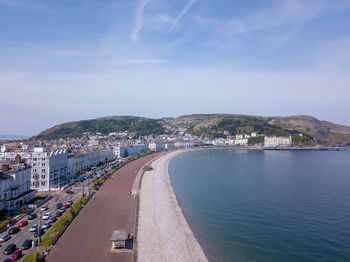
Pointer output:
x,y
39,227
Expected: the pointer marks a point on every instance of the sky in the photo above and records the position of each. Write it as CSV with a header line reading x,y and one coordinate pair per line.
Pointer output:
x,y
66,60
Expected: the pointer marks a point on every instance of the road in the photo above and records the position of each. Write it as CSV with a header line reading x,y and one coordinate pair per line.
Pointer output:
x,y
20,237
88,237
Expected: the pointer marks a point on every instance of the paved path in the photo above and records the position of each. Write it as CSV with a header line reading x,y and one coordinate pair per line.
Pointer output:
x,y
88,237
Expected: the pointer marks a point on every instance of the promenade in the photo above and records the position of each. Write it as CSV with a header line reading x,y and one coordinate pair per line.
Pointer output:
x,y
88,237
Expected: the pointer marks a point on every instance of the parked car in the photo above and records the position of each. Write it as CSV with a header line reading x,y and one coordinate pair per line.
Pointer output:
x,y
62,210
46,225
33,228
66,206
32,216
52,219
39,232
44,208
14,230
27,244
23,223
8,260
10,249
58,214
46,216
16,255
70,202
59,205
69,192
4,238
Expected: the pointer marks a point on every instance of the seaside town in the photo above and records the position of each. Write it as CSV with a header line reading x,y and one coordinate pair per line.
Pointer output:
x,y
35,171
30,166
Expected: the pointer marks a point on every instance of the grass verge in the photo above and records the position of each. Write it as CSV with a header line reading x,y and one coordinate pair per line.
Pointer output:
x,y
33,257
62,223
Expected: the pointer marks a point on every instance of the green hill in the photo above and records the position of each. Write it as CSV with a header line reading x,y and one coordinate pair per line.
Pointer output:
x,y
139,125
315,132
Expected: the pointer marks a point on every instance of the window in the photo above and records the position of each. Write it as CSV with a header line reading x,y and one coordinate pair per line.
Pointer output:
x,y
43,170
34,159
43,183
43,164
43,177
43,159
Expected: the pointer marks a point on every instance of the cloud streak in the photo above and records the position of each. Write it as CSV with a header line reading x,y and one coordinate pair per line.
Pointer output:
x,y
27,5
139,20
182,13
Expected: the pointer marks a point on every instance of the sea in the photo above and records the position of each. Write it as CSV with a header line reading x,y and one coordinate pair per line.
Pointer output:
x,y
246,205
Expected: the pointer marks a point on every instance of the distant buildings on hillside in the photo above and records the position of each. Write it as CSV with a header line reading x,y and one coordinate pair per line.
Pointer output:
x,y
277,142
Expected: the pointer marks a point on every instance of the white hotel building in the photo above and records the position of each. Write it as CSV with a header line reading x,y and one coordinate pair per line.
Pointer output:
x,y
49,170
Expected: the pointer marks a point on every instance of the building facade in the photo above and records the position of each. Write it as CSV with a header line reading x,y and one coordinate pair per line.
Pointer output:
x,y
15,188
277,141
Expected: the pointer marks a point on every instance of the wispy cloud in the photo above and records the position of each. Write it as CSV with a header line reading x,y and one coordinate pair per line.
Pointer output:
x,y
291,12
27,5
139,20
182,13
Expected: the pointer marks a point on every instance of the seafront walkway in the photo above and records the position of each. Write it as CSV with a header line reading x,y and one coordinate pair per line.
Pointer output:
x,y
88,238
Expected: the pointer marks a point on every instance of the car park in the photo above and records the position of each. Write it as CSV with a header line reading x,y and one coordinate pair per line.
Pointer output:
x,y
33,228
23,223
46,216
46,225
39,232
32,216
44,208
4,238
27,244
14,230
16,255
10,249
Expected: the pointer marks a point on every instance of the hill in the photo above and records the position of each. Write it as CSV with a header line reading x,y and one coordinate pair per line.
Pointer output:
x,y
139,125
313,130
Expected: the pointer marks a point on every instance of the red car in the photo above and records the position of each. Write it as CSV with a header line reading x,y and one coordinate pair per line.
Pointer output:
x,y
22,223
16,255
69,192
66,206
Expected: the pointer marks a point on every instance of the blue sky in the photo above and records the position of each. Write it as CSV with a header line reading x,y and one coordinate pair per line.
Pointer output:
x,y
70,60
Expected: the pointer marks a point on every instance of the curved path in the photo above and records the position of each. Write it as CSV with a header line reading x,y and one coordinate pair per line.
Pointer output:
x,y
163,232
88,237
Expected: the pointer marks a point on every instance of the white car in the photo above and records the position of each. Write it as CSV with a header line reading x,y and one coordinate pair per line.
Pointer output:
x,y
33,228
46,225
46,216
44,208
4,238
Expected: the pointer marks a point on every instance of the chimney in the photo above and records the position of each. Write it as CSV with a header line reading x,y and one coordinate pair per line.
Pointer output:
x,y
5,167
18,159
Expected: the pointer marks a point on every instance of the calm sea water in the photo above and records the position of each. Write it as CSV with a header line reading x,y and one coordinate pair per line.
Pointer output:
x,y
266,205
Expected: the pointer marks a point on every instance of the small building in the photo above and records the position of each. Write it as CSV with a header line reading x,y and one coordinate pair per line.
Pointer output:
x,y
119,238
